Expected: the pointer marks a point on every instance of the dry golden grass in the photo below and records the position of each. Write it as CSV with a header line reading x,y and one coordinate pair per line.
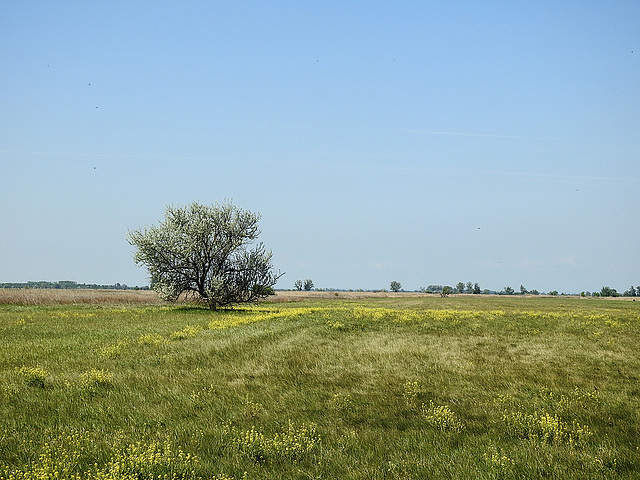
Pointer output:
x,y
27,296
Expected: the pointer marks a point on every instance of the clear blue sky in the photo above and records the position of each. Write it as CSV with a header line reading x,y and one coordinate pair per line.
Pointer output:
x,y
422,142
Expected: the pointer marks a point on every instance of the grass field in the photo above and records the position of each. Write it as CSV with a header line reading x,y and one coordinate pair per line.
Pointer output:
x,y
396,387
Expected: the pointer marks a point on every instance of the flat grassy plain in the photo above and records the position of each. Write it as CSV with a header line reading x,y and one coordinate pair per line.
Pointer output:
x,y
387,387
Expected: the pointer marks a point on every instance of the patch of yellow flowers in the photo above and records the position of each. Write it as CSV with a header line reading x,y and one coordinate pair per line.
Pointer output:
x,y
292,444
259,314
113,350
186,332
34,376
442,417
60,460
546,428
95,379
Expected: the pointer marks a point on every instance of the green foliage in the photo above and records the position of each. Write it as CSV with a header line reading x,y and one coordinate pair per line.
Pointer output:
x,y
632,292
395,286
609,292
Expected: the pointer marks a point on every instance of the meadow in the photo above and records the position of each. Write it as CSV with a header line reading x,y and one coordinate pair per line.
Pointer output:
x,y
387,387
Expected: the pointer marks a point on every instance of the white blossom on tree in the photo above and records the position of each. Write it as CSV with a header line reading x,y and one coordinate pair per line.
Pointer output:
x,y
206,251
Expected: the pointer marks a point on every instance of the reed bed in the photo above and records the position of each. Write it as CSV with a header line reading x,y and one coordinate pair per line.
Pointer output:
x,y
28,296
34,296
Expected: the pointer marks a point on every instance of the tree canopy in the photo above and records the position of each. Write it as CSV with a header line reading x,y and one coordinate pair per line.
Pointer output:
x,y
206,251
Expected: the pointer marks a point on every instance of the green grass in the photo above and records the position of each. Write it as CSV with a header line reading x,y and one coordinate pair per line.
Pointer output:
x,y
390,388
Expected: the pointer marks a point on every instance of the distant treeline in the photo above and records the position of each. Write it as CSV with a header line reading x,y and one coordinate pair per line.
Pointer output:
x,y
69,285
474,288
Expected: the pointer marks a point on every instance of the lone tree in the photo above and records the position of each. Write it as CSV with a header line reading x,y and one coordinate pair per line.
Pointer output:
x,y
204,251
395,286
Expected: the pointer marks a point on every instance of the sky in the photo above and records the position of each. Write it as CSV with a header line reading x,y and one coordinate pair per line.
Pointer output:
x,y
495,142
